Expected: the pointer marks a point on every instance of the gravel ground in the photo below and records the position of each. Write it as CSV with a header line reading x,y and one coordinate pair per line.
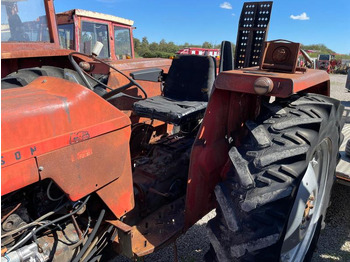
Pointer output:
x,y
334,242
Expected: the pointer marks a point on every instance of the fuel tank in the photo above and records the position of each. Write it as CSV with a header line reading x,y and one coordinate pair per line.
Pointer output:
x,y
56,129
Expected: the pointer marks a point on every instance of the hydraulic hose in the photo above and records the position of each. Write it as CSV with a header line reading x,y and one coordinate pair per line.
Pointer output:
x,y
91,237
94,247
59,219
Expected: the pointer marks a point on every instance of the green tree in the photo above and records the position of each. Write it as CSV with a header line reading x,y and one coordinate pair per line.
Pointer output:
x,y
162,45
144,43
137,43
207,45
153,46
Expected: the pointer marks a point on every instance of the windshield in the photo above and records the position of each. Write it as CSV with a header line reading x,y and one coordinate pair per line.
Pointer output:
x,y
324,57
122,42
23,21
92,32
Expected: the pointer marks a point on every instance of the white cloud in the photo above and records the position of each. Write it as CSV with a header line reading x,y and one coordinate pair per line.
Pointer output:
x,y
226,5
302,16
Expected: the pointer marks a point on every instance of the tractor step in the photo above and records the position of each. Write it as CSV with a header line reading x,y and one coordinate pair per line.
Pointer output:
x,y
153,232
343,168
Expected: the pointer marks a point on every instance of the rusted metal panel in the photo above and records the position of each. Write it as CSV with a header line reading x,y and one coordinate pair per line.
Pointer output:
x,y
26,173
69,129
119,194
141,63
51,22
153,232
84,167
33,49
280,55
52,113
209,156
96,15
285,84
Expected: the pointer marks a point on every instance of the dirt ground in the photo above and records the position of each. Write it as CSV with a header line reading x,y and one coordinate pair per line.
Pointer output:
x,y
334,242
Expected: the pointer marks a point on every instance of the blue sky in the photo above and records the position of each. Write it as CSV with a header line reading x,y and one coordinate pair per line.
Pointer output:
x,y
196,21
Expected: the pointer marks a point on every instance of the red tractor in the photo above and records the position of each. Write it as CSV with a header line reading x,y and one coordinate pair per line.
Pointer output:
x,y
88,160
328,62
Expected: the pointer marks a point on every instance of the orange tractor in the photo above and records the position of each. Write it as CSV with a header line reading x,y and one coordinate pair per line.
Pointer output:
x,y
123,155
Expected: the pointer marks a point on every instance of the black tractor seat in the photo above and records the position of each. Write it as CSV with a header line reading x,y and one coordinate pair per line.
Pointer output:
x,y
186,91
170,111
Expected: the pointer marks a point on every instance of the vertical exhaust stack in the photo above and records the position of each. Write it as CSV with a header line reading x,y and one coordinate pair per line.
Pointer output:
x,y
97,49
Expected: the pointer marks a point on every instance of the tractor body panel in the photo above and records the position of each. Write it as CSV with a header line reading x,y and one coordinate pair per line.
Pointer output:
x,y
284,84
54,121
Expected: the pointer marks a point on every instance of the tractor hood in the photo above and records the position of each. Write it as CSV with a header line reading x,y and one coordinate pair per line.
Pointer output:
x,y
50,115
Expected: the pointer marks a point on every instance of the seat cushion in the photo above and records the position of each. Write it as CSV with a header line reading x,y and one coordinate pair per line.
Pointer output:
x,y
170,111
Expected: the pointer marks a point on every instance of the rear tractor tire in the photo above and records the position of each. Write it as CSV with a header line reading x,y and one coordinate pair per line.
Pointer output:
x,y
272,205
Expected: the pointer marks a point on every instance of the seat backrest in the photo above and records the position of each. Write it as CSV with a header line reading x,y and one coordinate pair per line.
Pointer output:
x,y
190,78
226,56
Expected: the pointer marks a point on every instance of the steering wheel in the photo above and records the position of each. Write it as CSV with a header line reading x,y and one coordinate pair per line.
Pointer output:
x,y
113,92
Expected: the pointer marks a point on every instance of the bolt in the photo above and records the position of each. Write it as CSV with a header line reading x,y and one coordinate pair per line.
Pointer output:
x,y
44,81
314,162
41,168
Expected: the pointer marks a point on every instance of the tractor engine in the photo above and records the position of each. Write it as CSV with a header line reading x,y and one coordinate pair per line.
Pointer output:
x,y
26,215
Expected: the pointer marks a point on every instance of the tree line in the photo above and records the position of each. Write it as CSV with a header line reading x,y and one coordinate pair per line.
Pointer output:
x,y
323,49
163,49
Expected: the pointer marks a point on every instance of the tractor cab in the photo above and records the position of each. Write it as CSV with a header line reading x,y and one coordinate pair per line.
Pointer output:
x,y
115,33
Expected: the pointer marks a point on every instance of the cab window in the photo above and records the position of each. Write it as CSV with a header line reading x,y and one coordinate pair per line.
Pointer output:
x,y
122,42
24,21
66,35
91,33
